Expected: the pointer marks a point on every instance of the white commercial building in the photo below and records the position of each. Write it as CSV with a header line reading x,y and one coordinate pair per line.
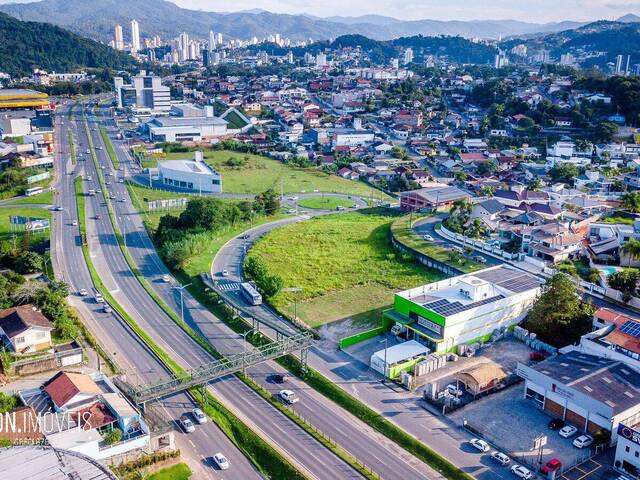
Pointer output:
x,y
187,123
390,360
195,175
351,138
588,391
145,93
463,309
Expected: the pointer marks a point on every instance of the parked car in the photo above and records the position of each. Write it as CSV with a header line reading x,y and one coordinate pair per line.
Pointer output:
x,y
480,259
521,472
556,424
568,431
480,444
288,396
221,461
453,389
501,458
583,441
199,416
428,238
551,466
186,424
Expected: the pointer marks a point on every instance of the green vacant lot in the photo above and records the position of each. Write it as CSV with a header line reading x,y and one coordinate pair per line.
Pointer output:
x,y
246,173
178,472
44,198
5,227
325,203
345,264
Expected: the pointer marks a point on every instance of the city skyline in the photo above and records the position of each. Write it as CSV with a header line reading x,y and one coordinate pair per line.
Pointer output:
x,y
543,11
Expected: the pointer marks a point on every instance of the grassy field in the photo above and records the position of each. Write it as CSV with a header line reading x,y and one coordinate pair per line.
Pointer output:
x,y
180,471
325,203
5,227
44,198
344,263
257,174
408,237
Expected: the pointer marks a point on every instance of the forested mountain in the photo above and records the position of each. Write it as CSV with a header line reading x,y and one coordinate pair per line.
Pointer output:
x,y
96,19
28,45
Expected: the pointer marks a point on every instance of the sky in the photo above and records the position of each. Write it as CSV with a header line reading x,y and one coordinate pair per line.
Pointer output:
x,y
526,10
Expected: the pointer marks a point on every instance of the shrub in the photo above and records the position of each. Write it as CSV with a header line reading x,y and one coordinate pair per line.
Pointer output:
x,y
112,436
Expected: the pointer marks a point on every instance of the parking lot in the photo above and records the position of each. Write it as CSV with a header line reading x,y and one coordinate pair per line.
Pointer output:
x,y
511,423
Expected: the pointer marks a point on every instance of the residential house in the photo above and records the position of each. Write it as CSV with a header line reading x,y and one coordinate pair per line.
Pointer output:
x,y
24,329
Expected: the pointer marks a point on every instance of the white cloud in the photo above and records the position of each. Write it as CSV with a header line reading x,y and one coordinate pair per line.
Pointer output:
x,y
526,10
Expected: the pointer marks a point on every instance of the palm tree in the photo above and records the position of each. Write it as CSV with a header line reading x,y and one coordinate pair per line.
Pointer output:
x,y
632,249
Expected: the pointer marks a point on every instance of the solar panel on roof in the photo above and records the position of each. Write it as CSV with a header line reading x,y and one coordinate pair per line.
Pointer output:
x,y
631,328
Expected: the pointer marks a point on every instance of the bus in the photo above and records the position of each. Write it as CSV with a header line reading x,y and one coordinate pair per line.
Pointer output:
x,y
251,294
30,192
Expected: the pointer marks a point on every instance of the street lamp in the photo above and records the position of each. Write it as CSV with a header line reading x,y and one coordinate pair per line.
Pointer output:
x,y
295,300
181,289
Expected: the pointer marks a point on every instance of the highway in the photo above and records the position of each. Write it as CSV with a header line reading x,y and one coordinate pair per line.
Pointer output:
x,y
360,440
113,333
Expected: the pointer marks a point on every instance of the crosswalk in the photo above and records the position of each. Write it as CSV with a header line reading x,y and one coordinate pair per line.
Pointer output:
x,y
229,286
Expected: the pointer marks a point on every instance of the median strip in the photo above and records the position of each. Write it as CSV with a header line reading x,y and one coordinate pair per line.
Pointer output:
x,y
109,146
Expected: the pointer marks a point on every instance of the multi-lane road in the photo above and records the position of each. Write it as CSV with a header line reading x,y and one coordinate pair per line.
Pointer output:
x,y
307,454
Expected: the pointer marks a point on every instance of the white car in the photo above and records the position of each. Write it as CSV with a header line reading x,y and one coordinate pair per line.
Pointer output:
x,y
99,298
567,431
583,441
453,389
501,458
186,424
225,273
221,461
288,396
521,472
428,238
83,292
166,278
74,223
480,444
199,416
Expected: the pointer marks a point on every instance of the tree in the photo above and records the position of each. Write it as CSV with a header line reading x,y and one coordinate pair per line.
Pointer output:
x,y
488,167
625,281
476,229
605,131
563,172
28,262
631,201
461,176
631,248
559,317
112,436
267,202
487,191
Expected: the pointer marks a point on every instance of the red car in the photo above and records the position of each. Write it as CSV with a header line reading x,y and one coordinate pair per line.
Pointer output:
x,y
552,466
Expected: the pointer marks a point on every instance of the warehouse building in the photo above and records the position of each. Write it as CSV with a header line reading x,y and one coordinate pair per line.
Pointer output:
x,y
587,391
195,175
432,197
463,309
18,98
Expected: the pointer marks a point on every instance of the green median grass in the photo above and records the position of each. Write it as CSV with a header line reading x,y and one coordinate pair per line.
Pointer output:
x,y
72,147
344,263
109,146
325,203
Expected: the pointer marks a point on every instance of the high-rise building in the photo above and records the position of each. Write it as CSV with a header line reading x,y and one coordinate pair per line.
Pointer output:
x,y
290,58
567,59
183,46
501,59
619,60
321,60
145,92
135,36
206,57
212,40
219,41
408,56
118,39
